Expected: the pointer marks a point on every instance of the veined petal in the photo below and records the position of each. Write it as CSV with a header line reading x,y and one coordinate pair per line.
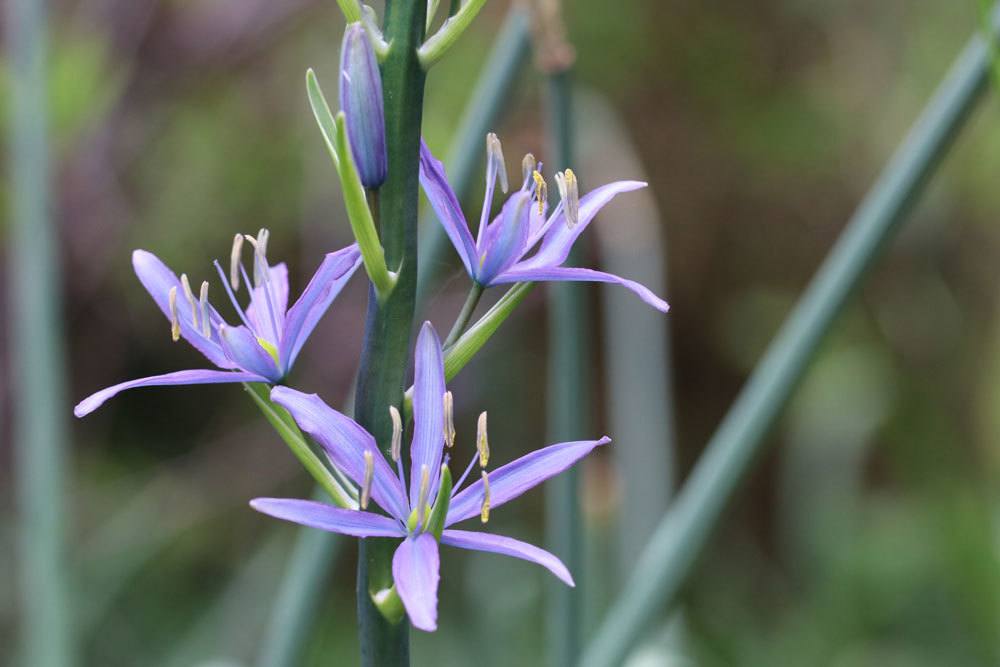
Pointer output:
x,y
560,236
508,546
513,479
345,442
355,523
428,412
331,276
446,206
158,279
241,345
416,571
257,311
94,401
565,273
505,239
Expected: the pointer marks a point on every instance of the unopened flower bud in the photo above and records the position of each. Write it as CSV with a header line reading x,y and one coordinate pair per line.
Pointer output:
x,y
361,102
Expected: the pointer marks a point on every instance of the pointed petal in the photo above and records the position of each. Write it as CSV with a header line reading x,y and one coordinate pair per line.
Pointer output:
x,y
158,279
242,347
428,412
416,570
355,523
508,546
513,479
564,273
331,276
506,238
345,443
257,311
446,206
560,236
94,401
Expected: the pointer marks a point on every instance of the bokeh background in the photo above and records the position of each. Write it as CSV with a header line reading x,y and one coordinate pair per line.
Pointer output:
x,y
867,535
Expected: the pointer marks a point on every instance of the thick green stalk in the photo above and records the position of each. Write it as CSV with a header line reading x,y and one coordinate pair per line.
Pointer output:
x,y
679,539
569,405
388,327
39,406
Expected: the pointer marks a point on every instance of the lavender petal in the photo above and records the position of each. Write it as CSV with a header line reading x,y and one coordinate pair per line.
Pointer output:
x,y
510,481
355,523
507,546
94,401
241,345
446,206
564,273
416,570
428,412
505,239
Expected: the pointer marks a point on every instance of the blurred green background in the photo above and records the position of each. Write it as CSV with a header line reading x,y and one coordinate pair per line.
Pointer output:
x,y
866,536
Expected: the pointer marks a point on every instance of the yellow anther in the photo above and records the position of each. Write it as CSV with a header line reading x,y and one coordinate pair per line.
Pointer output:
x,y
569,192
425,488
175,323
484,512
541,190
397,433
234,262
482,441
528,165
495,152
189,295
366,488
206,329
449,419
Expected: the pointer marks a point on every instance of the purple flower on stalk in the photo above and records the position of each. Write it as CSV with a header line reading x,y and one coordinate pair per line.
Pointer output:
x,y
502,252
423,512
266,344
361,102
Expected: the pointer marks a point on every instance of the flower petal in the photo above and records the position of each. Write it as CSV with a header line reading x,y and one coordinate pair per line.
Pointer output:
x,y
513,479
258,312
94,401
505,238
331,276
158,279
428,412
416,571
446,206
355,523
560,236
240,345
566,273
508,546
345,443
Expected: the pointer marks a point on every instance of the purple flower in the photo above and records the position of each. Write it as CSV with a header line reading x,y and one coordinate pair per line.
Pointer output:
x,y
422,512
502,252
262,348
361,102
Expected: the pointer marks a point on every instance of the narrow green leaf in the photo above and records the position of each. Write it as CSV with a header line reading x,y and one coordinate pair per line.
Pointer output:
x,y
439,43
324,117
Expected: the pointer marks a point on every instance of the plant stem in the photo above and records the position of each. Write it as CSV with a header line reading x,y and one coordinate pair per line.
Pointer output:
x,y
682,533
389,324
469,307
569,406
39,435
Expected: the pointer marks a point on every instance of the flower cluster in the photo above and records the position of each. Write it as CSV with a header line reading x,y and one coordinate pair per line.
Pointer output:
x,y
376,495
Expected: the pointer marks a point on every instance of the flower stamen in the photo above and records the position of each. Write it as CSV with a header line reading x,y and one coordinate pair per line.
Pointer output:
x,y
366,487
175,323
449,420
484,512
528,166
569,194
494,152
234,262
541,190
482,441
397,432
206,330
425,488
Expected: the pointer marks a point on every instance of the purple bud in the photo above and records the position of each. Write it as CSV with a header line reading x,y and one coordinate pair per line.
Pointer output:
x,y
361,102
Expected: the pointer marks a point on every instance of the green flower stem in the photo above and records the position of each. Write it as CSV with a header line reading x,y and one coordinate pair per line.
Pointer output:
x,y
39,436
462,321
570,406
289,431
469,343
389,323
683,532
351,9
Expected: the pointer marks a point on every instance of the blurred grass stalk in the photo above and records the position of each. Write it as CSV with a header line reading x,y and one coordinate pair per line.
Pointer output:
x,y
37,377
569,405
489,98
684,530
308,567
